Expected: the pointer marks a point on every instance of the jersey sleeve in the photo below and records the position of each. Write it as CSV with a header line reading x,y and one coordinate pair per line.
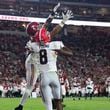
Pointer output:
x,y
56,45
28,45
32,46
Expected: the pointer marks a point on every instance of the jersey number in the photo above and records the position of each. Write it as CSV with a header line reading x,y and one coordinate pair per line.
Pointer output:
x,y
43,56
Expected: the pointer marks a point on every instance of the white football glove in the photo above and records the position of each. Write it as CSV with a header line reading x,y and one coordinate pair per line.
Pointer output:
x,y
67,16
54,11
56,7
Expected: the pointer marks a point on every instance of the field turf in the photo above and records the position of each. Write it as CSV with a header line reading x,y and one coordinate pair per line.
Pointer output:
x,y
36,104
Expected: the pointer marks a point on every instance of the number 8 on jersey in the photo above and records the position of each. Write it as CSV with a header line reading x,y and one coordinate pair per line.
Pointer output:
x,y
43,56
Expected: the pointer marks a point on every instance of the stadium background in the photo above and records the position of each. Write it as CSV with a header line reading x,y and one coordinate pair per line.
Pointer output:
x,y
90,44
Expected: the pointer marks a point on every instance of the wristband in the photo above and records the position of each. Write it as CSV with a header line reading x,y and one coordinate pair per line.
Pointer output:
x,y
62,23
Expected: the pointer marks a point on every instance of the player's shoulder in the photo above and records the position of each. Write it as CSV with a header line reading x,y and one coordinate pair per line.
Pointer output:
x,y
56,42
31,43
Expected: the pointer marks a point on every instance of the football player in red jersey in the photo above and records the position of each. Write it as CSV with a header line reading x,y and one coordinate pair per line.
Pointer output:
x,y
41,34
38,32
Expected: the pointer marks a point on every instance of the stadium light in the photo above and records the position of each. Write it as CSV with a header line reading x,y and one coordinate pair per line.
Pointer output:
x,y
55,21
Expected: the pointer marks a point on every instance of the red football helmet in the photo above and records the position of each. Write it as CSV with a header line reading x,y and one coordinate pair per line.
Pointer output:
x,y
32,28
43,36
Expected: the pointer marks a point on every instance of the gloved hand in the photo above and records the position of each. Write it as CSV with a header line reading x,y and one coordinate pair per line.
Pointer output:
x,y
51,16
67,16
55,9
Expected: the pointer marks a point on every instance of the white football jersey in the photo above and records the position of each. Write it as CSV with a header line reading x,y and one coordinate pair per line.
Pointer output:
x,y
33,57
44,56
89,84
107,82
48,56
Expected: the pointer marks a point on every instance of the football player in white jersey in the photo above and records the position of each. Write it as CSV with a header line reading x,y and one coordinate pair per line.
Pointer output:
x,y
89,88
76,86
50,84
32,60
37,36
107,83
48,62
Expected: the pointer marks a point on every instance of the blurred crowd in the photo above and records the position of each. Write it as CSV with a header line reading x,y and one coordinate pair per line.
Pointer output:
x,y
91,55
12,55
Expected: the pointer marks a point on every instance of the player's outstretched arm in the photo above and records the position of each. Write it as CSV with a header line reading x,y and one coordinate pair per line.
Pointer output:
x,y
51,16
58,28
65,51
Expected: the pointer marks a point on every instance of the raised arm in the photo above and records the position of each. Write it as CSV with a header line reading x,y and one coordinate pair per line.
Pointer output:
x,y
58,27
51,16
